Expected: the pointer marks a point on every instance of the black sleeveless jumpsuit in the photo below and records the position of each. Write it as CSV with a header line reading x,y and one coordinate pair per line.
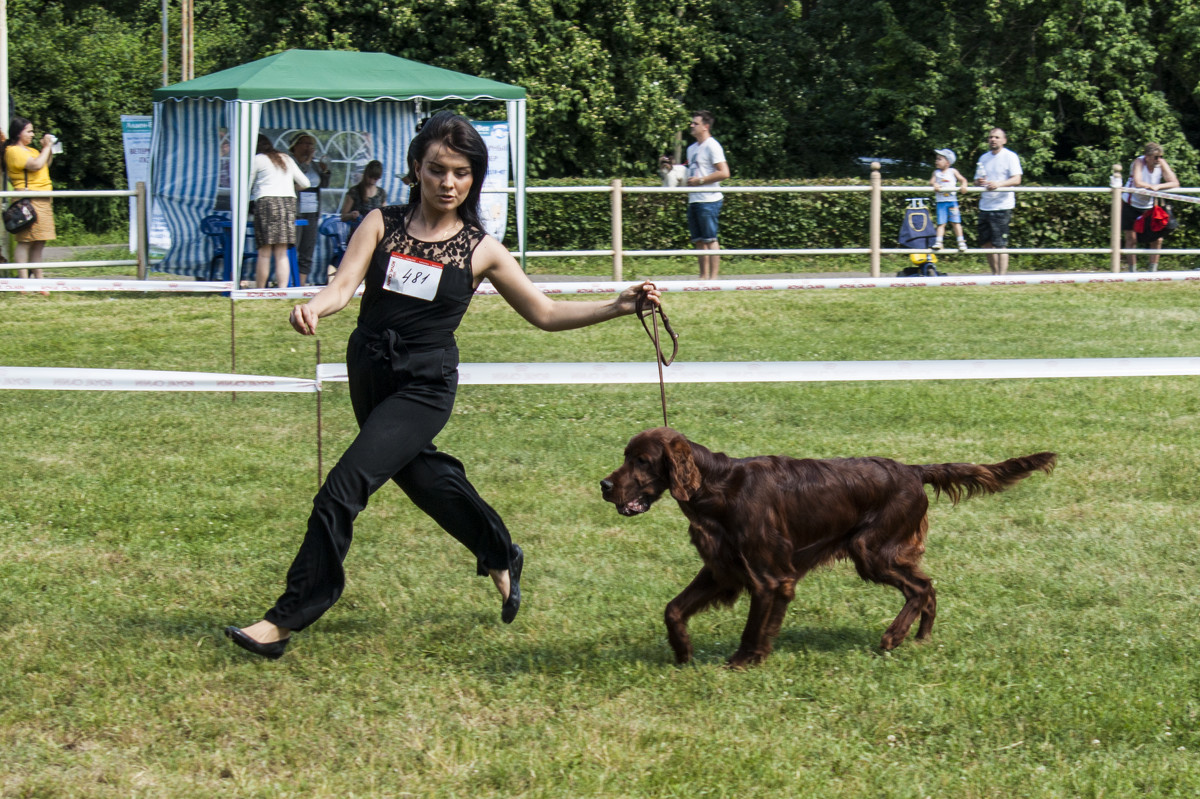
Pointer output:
x,y
403,367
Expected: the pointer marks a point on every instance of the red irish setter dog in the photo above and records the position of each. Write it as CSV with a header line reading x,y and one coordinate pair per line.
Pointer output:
x,y
762,523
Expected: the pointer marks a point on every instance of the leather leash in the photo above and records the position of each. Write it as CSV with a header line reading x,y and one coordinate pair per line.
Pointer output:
x,y
654,312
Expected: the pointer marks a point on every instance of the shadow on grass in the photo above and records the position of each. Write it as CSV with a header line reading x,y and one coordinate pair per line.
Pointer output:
x,y
441,640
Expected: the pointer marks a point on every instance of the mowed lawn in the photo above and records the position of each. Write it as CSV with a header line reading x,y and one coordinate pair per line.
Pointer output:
x,y
134,526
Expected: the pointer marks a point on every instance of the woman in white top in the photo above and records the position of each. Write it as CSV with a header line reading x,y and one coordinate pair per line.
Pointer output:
x,y
276,177
1148,171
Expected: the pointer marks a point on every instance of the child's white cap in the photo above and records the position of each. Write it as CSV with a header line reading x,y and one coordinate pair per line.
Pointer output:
x,y
948,155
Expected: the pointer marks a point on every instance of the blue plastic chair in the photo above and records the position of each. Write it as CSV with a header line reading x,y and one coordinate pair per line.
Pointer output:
x,y
218,228
211,226
336,233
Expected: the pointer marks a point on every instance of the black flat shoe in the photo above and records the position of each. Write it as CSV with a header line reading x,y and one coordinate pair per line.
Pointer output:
x,y
271,651
508,611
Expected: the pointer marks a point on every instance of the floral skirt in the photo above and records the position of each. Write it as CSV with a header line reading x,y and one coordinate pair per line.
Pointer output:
x,y
274,221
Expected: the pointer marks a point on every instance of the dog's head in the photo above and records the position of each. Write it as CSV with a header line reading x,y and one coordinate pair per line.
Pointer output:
x,y
655,460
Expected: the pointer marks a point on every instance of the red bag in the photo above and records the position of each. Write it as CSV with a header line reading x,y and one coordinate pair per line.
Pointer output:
x,y
1153,221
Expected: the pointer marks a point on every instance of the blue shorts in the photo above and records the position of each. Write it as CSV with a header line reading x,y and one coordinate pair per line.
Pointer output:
x,y
702,221
948,212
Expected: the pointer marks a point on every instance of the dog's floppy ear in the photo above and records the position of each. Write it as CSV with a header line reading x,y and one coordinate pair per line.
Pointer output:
x,y
685,477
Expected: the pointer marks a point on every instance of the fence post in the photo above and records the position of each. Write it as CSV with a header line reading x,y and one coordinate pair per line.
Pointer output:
x,y
617,245
876,210
143,232
1114,235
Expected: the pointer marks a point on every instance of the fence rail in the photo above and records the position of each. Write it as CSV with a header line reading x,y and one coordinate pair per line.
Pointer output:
x,y
874,248
142,261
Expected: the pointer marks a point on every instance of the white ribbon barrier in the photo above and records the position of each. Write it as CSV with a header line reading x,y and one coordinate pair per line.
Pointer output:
x,y
68,379
1183,198
514,374
86,284
601,288
292,293
615,287
801,371
750,284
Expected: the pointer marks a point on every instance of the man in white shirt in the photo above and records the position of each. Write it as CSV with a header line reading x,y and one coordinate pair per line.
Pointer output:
x,y
997,168
706,167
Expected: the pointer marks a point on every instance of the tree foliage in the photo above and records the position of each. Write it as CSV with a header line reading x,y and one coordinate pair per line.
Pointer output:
x,y
800,88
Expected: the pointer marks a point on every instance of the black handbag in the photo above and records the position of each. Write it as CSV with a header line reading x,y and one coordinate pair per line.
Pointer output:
x,y
20,214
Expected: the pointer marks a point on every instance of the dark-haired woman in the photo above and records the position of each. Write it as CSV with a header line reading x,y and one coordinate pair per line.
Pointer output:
x,y
29,169
365,196
421,264
276,178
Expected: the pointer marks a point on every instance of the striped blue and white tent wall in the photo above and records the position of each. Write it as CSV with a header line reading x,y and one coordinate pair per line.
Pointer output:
x,y
187,158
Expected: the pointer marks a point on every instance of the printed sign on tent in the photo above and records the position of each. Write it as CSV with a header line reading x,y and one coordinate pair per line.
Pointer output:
x,y
135,133
493,203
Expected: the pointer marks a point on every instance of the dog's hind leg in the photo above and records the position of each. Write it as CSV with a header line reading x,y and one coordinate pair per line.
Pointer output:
x,y
920,598
901,571
702,592
928,614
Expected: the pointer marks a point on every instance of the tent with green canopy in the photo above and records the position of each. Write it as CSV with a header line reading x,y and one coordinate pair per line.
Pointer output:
x,y
361,107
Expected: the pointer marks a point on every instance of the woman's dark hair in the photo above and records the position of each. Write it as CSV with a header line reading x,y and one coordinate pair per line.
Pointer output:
x,y
459,135
266,148
15,126
373,170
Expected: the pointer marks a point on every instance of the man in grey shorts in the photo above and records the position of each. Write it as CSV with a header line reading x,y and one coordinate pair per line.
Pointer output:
x,y
997,168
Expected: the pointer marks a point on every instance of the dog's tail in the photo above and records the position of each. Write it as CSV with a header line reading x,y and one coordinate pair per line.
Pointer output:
x,y
965,480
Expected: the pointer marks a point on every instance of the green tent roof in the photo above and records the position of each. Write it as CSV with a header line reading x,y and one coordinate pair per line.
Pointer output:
x,y
338,75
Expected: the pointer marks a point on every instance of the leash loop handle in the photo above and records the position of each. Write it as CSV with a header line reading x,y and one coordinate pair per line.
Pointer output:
x,y
654,312
645,310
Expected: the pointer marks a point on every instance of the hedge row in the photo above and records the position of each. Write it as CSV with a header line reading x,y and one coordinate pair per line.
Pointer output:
x,y
801,221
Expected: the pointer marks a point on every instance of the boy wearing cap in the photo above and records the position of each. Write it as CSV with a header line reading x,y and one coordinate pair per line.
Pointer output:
x,y
945,181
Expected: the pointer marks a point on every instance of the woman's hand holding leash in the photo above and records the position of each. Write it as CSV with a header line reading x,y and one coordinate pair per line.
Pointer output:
x,y
635,297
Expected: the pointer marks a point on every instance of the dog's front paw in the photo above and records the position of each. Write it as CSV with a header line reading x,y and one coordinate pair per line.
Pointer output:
x,y
741,660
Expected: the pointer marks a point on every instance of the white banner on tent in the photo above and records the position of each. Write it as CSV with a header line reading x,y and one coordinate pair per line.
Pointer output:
x,y
493,202
136,134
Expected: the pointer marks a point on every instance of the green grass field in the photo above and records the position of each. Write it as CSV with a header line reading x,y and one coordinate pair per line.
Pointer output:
x,y
134,526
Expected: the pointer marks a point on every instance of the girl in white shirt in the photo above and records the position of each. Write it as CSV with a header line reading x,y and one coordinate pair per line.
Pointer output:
x,y
276,177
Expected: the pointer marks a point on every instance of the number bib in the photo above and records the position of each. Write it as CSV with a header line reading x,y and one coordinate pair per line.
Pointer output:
x,y
414,277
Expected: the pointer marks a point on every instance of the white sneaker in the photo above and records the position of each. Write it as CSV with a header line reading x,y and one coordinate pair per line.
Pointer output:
x,y
937,245
962,245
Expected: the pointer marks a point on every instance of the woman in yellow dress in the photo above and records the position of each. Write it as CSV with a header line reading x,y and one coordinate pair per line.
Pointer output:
x,y
29,168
